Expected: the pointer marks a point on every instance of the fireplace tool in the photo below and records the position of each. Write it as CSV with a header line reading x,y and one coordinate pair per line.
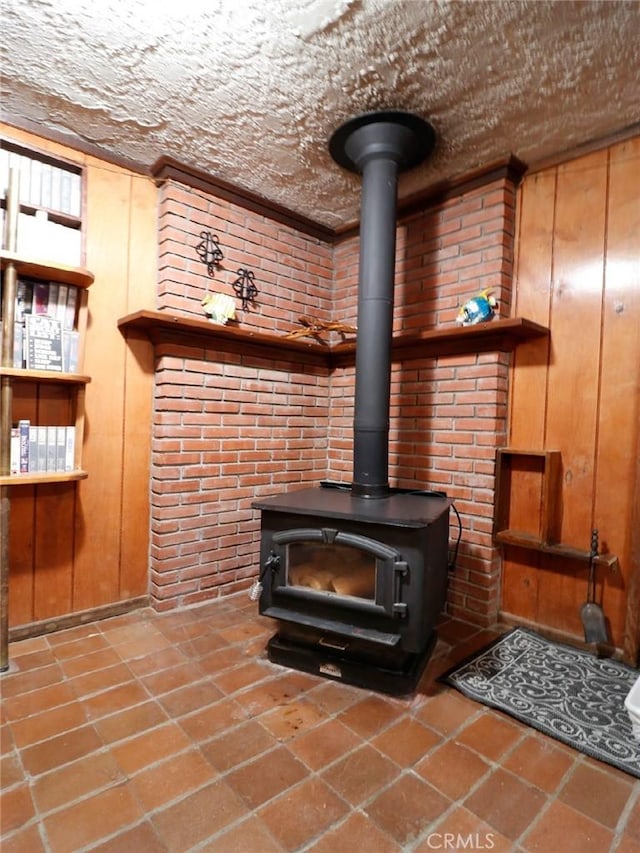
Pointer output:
x,y
592,615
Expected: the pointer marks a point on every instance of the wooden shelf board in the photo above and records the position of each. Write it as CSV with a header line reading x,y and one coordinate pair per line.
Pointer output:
x,y
501,335
45,376
520,539
46,269
156,325
36,479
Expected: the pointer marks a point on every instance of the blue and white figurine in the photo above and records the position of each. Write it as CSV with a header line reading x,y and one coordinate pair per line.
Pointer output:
x,y
478,309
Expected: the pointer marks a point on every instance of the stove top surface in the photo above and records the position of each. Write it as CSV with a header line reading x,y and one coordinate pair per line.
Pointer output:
x,y
400,508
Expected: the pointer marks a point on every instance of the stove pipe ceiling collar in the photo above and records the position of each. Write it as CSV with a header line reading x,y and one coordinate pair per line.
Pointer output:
x,y
379,145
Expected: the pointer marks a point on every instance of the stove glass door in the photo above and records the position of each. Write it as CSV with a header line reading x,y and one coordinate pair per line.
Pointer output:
x,y
336,568
329,567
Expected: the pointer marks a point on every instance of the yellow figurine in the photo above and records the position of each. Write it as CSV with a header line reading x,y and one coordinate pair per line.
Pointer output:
x,y
219,307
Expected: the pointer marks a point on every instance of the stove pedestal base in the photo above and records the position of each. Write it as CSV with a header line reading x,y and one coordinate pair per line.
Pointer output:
x,y
358,673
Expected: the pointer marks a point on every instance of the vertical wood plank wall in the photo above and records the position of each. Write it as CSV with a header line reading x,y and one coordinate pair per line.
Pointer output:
x,y
85,545
578,271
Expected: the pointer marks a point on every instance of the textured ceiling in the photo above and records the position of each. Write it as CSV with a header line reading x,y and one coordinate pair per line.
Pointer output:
x,y
251,90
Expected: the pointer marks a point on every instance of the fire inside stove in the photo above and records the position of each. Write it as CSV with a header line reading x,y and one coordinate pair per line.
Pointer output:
x,y
335,569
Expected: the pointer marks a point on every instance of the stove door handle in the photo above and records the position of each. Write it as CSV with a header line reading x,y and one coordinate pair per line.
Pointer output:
x,y
400,571
271,563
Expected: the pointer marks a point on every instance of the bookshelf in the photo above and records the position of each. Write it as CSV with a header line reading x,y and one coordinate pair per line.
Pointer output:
x,y
14,266
52,291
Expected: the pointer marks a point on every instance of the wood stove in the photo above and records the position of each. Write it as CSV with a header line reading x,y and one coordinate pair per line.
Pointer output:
x,y
356,585
356,575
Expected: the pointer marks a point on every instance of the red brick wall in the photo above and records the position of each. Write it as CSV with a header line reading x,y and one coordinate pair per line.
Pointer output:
x,y
448,415
230,426
292,272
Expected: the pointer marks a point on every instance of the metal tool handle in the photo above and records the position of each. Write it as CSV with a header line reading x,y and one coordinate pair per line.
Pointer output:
x,y
591,589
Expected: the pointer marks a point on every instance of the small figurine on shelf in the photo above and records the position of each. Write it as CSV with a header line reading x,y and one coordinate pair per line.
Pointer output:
x,y
219,307
478,309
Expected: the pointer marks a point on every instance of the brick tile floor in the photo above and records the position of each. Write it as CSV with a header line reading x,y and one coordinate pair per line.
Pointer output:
x,y
172,732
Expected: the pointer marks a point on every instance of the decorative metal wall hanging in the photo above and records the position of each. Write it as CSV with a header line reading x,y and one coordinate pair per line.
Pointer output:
x,y
209,251
244,287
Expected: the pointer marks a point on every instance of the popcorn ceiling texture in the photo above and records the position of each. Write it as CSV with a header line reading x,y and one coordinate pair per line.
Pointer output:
x,y
250,91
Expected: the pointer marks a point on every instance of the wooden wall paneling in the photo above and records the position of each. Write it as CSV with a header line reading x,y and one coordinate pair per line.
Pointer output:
x,y
536,203
573,384
96,578
138,402
619,410
21,555
54,520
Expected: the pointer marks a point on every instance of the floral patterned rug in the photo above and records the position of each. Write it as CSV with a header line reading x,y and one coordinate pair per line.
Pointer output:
x,y
567,693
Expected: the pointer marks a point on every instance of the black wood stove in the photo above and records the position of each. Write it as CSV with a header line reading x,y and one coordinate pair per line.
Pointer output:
x,y
356,585
356,575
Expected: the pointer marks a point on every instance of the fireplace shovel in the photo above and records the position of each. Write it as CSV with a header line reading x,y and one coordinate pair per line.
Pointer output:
x,y
592,615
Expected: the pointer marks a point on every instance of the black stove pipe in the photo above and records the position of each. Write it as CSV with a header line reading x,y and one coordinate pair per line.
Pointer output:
x,y
379,145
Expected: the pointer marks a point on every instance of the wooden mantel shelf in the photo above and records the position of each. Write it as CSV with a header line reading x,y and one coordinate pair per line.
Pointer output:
x,y
161,326
497,335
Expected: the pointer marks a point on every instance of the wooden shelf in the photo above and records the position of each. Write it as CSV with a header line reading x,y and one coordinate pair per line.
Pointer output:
x,y
46,270
498,335
160,326
534,474
34,479
45,376
522,540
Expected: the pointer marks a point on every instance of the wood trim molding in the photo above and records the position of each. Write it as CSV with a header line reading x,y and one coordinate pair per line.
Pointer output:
x,y
511,169
590,147
72,620
169,169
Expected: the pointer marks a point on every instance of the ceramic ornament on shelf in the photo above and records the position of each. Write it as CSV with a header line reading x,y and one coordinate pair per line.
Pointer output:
x,y
219,307
478,309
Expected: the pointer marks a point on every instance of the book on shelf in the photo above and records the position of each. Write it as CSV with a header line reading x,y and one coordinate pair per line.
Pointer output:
x,y
70,351
24,298
70,312
19,447
51,177
70,449
33,448
14,451
23,429
4,171
52,300
35,194
18,345
43,340
42,449
52,449
40,303
61,303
